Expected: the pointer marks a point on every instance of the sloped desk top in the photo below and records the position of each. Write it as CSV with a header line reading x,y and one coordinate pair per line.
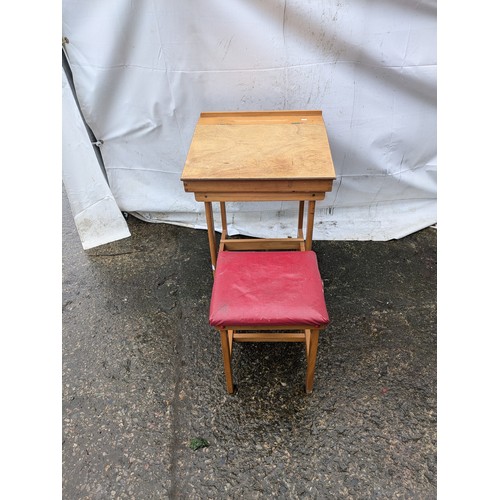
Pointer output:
x,y
260,155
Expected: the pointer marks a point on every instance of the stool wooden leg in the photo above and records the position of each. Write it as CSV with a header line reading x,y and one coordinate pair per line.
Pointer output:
x,y
226,355
312,337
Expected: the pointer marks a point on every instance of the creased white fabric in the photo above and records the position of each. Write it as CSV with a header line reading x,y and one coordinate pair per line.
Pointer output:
x,y
144,70
97,216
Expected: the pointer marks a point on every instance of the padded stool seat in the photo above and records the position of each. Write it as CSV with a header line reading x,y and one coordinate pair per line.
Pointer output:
x,y
267,289
268,296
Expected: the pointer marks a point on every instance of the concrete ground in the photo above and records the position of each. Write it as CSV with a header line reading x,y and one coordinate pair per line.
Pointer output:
x,y
143,376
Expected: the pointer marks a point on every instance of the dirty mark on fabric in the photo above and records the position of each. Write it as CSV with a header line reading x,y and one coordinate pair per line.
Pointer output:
x,y
226,45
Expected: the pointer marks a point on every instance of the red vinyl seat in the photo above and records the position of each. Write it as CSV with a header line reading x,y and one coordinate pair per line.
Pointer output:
x,y
275,288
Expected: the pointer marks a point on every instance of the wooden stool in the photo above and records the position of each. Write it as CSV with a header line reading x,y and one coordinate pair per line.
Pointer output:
x,y
258,294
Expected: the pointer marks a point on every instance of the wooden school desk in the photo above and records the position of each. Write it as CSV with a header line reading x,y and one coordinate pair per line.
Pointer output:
x,y
259,156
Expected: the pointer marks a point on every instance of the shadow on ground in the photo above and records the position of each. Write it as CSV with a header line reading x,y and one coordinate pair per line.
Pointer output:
x,y
142,376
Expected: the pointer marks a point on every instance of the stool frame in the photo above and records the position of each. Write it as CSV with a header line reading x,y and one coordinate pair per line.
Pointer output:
x,y
242,333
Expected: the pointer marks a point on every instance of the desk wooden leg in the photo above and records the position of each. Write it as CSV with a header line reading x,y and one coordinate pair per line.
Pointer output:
x,y
223,217
211,233
300,225
311,206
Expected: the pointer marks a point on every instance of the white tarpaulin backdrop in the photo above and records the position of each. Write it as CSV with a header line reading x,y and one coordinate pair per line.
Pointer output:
x,y
97,216
145,69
